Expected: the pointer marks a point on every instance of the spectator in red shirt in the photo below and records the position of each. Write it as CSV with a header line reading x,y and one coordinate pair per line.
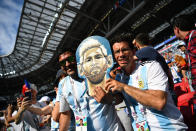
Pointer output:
x,y
184,29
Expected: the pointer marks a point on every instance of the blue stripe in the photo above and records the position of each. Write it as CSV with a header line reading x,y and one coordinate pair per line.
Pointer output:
x,y
164,122
129,101
144,77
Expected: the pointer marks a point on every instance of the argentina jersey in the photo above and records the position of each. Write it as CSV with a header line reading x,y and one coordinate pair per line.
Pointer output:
x,y
150,76
100,117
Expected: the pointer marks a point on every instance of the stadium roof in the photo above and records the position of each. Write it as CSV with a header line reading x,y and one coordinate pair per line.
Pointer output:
x,y
48,27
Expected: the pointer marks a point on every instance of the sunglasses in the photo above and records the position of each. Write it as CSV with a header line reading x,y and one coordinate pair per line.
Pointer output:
x,y
69,59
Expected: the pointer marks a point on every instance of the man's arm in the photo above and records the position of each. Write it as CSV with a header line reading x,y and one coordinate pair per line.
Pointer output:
x,y
5,120
64,121
56,108
65,114
24,105
19,115
152,98
184,75
10,118
55,112
107,98
155,96
40,111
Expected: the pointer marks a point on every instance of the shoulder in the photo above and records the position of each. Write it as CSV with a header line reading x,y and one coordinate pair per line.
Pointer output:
x,y
143,50
193,37
149,63
156,77
154,69
154,64
146,52
64,79
151,66
63,82
148,48
194,33
65,85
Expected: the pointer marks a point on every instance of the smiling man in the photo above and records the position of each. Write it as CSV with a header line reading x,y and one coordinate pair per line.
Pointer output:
x,y
67,62
145,89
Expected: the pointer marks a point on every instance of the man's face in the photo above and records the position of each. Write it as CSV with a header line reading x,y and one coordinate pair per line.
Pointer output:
x,y
81,122
170,55
177,33
123,54
33,96
183,48
68,63
94,65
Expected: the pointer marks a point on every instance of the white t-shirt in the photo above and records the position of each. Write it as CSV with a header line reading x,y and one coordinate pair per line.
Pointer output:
x,y
170,117
16,127
31,121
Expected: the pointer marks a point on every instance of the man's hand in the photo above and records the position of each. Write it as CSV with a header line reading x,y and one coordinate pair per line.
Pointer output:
x,y
113,85
25,103
23,106
99,94
9,109
180,66
46,119
6,122
19,102
114,72
106,98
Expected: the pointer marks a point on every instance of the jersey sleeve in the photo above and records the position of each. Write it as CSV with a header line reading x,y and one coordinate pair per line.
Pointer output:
x,y
64,105
146,53
140,54
60,88
157,79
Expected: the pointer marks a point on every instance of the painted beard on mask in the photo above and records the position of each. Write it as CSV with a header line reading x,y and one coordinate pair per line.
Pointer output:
x,y
96,74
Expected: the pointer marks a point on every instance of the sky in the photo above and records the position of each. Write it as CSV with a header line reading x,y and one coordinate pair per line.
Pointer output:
x,y
10,11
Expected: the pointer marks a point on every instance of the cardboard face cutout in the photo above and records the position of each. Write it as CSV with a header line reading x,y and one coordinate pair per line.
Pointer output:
x,y
94,61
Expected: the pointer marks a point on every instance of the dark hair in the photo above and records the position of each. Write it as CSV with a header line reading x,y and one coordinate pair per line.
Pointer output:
x,y
68,51
184,22
142,39
124,37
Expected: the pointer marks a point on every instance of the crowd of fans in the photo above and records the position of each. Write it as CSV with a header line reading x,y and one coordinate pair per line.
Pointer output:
x,y
145,91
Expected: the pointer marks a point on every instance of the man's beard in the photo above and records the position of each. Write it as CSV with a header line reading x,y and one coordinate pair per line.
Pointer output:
x,y
96,74
71,67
